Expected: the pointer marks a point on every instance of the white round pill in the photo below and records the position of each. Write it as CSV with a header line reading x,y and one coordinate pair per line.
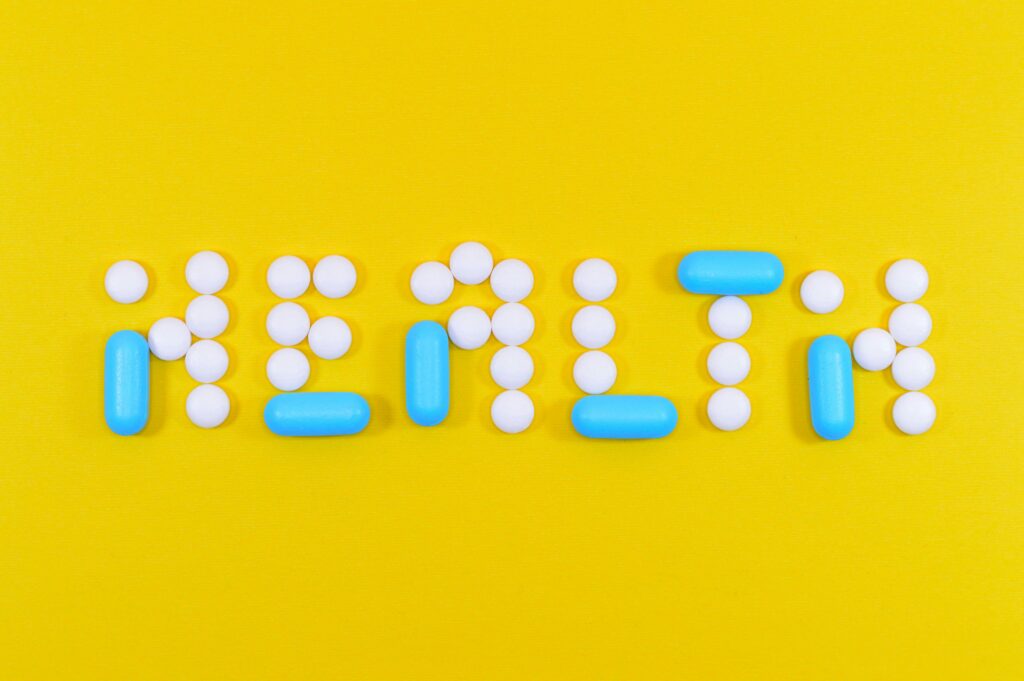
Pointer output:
x,y
874,349
512,324
728,363
729,409
169,338
511,367
821,292
126,281
288,369
206,272
206,361
471,263
330,337
512,411
334,276
512,280
914,413
288,277
913,368
469,327
906,280
593,327
206,316
207,406
432,283
910,324
594,280
287,323
594,372
729,317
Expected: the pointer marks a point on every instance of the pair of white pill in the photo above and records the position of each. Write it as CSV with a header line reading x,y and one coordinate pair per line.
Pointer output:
x,y
471,263
334,276
126,281
289,324
470,327
822,291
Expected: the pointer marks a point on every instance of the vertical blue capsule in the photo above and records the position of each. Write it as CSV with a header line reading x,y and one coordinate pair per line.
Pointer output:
x,y
830,380
126,382
427,380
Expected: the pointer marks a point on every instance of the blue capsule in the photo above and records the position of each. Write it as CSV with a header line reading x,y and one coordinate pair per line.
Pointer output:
x,y
427,381
316,414
830,379
126,382
624,417
730,273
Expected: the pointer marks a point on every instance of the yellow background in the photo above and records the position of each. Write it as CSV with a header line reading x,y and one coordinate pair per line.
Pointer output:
x,y
838,135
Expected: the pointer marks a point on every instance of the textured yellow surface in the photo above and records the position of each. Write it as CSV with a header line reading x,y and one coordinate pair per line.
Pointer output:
x,y
838,135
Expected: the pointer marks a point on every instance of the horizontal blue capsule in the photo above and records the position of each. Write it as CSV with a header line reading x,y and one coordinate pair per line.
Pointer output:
x,y
126,383
730,273
316,414
830,380
624,417
427,380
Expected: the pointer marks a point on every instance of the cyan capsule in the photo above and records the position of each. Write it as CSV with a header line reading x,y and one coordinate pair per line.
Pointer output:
x,y
624,417
830,376
311,414
126,382
427,381
730,273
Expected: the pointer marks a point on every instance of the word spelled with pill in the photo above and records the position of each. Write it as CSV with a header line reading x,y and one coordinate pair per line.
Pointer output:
x,y
599,413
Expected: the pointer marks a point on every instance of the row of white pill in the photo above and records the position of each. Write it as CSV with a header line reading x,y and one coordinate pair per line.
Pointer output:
x,y
729,363
288,323
593,326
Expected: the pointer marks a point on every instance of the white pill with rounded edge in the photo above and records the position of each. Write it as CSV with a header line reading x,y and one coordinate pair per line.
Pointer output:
x,y
288,276
874,349
906,280
206,361
729,409
512,280
594,372
432,283
334,276
729,317
821,292
469,327
287,323
206,272
728,363
330,338
126,281
471,263
914,413
512,411
593,327
207,406
913,368
910,324
207,316
594,280
169,338
512,324
511,367
288,369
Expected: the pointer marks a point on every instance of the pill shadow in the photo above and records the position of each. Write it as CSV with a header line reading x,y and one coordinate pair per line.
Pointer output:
x,y
665,273
799,393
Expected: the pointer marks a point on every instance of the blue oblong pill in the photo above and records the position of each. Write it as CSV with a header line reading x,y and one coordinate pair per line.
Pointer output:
x,y
624,417
730,273
126,382
427,381
316,414
830,377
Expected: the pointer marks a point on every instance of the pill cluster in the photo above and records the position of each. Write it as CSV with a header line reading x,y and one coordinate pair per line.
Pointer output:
x,y
288,323
469,328
913,367
729,363
171,338
593,326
